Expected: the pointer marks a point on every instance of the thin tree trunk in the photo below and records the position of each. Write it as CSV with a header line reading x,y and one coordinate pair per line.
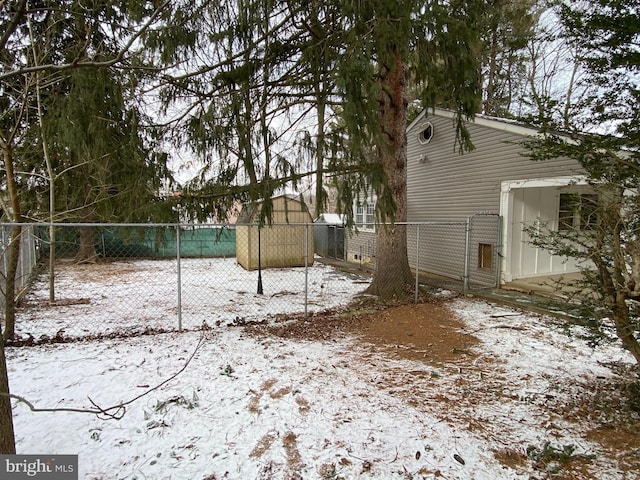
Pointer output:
x,y
393,275
624,328
612,275
320,196
13,250
7,436
619,312
50,173
13,253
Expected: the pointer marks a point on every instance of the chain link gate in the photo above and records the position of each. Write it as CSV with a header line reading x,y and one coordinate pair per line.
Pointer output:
x,y
459,255
483,252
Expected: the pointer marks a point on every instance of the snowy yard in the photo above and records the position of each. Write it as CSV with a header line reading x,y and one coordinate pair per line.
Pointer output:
x,y
137,296
454,388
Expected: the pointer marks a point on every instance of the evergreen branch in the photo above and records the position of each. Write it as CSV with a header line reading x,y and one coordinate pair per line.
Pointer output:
x,y
13,24
91,64
236,191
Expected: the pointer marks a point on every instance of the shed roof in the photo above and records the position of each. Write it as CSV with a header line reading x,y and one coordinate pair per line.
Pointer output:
x,y
331,219
249,210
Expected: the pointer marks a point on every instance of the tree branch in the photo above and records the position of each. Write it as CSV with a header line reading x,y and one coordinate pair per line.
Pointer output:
x,y
115,412
13,24
77,64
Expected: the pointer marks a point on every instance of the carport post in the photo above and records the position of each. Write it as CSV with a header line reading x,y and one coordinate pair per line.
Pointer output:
x,y
467,256
179,278
417,261
499,253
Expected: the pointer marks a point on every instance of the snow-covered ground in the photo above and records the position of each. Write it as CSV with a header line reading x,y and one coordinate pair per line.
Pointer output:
x,y
133,296
263,407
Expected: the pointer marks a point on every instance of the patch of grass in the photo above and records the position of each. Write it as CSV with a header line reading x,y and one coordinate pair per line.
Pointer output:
x,y
553,459
354,313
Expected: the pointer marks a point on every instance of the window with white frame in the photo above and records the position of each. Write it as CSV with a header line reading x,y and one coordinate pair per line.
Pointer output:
x,y
577,211
371,216
365,215
359,216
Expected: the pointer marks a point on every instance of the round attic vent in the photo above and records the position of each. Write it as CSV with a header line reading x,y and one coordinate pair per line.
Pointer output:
x,y
426,133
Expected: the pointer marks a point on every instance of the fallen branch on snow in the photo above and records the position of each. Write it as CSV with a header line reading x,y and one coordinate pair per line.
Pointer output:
x,y
115,412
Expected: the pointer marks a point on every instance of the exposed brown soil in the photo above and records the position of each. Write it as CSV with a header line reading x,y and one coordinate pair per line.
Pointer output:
x,y
430,333
416,331
424,331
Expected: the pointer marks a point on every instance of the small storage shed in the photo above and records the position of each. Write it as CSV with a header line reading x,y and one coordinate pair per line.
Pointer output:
x,y
286,242
328,235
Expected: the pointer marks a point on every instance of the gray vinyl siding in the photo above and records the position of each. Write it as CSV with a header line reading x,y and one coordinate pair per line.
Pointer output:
x,y
446,188
361,247
450,186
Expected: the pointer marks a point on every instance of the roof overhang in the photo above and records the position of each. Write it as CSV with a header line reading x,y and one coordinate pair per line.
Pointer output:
x,y
483,120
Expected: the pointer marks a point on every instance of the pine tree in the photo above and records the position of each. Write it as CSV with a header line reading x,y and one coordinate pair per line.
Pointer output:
x,y
247,94
259,62
604,137
42,47
388,44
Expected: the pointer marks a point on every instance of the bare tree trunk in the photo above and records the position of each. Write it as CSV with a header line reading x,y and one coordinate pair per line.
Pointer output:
x,y
13,250
613,273
616,301
7,436
393,275
320,194
13,253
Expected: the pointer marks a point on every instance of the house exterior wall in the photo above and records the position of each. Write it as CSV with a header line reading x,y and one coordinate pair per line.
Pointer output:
x,y
494,188
361,247
287,242
447,186
443,185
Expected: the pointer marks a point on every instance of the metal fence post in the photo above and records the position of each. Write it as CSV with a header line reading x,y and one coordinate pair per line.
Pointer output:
x,y
179,278
417,262
306,269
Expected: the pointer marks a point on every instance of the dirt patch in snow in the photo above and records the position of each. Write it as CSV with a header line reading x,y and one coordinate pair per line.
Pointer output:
x,y
430,333
418,332
424,331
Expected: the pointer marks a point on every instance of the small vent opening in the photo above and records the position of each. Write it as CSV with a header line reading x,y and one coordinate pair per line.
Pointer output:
x,y
426,133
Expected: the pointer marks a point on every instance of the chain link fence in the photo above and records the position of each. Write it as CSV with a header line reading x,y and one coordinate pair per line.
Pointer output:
x,y
463,255
27,259
133,279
